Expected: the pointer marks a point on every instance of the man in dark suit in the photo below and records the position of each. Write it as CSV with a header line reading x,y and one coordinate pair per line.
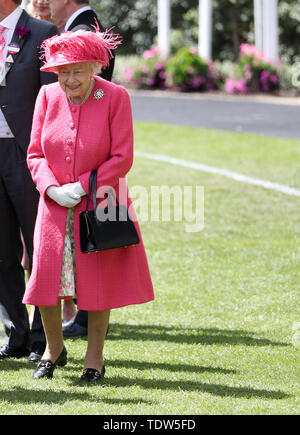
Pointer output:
x,y
77,14
20,81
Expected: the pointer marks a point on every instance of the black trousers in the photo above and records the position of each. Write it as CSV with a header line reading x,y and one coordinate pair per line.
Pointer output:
x,y
81,318
18,208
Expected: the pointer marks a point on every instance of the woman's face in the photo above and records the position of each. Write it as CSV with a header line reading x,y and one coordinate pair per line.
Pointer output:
x,y
75,79
41,8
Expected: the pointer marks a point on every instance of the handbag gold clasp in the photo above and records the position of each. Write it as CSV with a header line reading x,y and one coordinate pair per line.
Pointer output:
x,y
87,224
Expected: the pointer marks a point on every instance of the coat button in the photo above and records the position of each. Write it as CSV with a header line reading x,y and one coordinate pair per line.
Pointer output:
x,y
72,125
69,142
68,159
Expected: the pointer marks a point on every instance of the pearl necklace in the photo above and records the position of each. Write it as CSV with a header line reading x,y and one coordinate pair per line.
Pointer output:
x,y
87,95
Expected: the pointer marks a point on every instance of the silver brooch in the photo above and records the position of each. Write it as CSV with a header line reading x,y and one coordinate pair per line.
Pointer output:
x,y
98,94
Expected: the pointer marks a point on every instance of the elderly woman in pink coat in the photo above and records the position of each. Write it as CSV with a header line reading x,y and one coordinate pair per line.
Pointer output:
x,y
80,124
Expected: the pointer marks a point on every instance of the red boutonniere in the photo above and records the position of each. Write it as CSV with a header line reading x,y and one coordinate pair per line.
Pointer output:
x,y
22,31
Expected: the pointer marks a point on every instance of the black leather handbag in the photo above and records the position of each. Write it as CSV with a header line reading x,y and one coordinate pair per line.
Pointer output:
x,y
114,229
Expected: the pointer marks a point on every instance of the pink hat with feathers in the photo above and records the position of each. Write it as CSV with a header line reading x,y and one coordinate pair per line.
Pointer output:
x,y
81,46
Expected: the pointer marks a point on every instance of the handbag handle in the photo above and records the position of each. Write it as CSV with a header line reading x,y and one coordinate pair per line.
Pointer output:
x,y
92,186
93,189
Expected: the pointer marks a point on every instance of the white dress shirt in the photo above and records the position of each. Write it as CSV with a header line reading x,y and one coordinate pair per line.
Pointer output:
x,y
10,23
75,15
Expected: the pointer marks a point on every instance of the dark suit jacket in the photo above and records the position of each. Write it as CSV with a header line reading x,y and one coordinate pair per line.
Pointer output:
x,y
85,21
24,78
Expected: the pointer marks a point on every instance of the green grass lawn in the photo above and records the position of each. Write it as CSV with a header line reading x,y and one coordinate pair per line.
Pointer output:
x,y
217,339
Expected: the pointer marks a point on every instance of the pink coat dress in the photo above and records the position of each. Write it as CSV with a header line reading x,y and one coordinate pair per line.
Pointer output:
x,y
67,143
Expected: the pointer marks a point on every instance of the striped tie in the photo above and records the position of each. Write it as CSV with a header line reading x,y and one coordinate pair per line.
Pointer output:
x,y
2,45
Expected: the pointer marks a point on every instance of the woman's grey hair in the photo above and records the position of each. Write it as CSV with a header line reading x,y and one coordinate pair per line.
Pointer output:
x,y
94,66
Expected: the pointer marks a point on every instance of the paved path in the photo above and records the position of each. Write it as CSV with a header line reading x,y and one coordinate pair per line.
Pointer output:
x,y
270,116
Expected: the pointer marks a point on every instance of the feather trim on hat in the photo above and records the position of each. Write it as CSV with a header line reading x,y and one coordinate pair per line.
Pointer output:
x,y
80,46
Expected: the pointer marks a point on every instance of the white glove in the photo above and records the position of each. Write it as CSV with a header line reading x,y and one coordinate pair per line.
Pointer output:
x,y
74,188
63,196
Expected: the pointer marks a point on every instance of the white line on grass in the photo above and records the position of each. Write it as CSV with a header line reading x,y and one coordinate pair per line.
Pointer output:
x,y
229,174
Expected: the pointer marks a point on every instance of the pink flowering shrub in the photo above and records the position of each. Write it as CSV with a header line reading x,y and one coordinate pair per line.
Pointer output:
x,y
254,73
151,74
236,86
187,71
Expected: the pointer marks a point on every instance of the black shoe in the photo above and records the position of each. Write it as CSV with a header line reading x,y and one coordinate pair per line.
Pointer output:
x,y
36,353
73,329
13,352
92,375
46,367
